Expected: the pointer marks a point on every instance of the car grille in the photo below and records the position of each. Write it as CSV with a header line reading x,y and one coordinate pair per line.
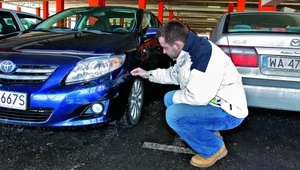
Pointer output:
x,y
28,74
31,114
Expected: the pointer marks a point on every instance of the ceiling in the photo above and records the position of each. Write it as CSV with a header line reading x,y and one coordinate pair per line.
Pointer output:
x,y
200,15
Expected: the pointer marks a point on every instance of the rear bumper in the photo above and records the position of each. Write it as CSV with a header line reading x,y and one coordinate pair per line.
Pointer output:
x,y
273,97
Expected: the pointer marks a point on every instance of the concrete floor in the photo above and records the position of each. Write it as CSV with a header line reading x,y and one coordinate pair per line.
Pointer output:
x,y
267,139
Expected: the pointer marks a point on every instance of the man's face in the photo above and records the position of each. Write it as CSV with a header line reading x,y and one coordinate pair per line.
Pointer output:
x,y
172,51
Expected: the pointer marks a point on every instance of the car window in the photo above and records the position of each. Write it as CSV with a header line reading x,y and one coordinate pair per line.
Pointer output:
x,y
147,21
156,22
8,23
263,22
114,20
28,20
128,23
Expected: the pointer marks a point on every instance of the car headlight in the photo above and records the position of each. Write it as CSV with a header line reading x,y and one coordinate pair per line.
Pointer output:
x,y
95,67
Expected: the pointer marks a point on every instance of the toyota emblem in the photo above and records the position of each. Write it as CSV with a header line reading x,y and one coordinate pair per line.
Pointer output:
x,y
7,66
295,42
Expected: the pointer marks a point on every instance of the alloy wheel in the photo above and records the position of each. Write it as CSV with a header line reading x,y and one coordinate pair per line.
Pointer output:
x,y
136,101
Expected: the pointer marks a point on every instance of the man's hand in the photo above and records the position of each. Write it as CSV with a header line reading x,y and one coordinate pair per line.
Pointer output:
x,y
140,72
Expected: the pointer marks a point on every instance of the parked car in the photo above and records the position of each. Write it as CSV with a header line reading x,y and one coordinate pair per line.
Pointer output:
x,y
265,47
73,68
12,21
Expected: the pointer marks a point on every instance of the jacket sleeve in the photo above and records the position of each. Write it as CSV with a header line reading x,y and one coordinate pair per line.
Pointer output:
x,y
202,87
164,76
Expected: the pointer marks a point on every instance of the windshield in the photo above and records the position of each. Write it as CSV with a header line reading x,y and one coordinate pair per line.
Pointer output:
x,y
92,19
263,22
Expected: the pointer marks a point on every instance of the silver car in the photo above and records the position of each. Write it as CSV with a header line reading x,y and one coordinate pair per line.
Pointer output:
x,y
12,21
265,47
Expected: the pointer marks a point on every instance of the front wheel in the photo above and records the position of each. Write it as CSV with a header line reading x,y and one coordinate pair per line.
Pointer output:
x,y
134,106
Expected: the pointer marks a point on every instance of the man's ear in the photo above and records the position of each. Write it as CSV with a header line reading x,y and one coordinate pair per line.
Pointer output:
x,y
178,45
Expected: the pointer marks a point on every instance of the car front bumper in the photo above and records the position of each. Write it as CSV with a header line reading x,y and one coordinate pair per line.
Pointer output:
x,y
62,109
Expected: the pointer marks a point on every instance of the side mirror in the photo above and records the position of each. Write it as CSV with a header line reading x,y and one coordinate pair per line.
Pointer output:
x,y
151,32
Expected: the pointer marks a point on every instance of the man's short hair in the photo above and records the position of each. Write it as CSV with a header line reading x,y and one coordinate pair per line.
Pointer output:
x,y
173,31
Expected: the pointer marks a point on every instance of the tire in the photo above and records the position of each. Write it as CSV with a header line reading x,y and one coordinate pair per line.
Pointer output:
x,y
134,105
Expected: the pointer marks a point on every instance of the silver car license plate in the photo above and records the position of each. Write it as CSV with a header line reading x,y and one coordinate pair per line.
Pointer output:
x,y
13,100
284,63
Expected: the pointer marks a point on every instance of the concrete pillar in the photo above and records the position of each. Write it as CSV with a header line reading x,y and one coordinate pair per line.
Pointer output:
x,y
171,12
161,11
60,7
77,17
97,2
38,11
121,21
142,4
69,22
45,9
230,7
241,5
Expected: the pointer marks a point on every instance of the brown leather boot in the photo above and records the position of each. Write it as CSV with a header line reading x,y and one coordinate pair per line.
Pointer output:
x,y
201,162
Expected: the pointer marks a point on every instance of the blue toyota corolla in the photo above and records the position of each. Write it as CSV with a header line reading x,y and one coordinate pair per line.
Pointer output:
x,y
73,69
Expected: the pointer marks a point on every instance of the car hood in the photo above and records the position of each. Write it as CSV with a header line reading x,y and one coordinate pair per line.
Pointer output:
x,y
68,42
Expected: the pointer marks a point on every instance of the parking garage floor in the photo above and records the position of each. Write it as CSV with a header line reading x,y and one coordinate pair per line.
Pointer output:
x,y
267,139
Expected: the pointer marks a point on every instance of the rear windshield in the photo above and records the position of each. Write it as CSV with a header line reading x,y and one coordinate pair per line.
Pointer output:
x,y
263,22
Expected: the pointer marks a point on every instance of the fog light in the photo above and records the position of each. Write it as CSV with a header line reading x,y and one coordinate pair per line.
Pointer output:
x,y
97,108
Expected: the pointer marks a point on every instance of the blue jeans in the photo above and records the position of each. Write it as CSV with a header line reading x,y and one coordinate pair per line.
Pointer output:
x,y
196,124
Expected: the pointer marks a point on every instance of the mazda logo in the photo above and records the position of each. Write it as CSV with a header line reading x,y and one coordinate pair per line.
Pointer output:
x,y
295,42
7,66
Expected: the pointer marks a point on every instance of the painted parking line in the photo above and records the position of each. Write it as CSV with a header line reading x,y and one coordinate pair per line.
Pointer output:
x,y
168,148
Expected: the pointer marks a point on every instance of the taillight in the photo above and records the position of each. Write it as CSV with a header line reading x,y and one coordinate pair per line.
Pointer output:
x,y
242,56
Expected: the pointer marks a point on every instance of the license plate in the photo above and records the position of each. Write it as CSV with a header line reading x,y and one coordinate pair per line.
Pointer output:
x,y
281,63
13,100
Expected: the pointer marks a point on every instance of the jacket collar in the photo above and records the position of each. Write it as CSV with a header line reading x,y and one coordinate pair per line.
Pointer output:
x,y
199,50
190,41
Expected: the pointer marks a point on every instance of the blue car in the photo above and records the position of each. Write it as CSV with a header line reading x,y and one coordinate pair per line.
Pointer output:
x,y
73,69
